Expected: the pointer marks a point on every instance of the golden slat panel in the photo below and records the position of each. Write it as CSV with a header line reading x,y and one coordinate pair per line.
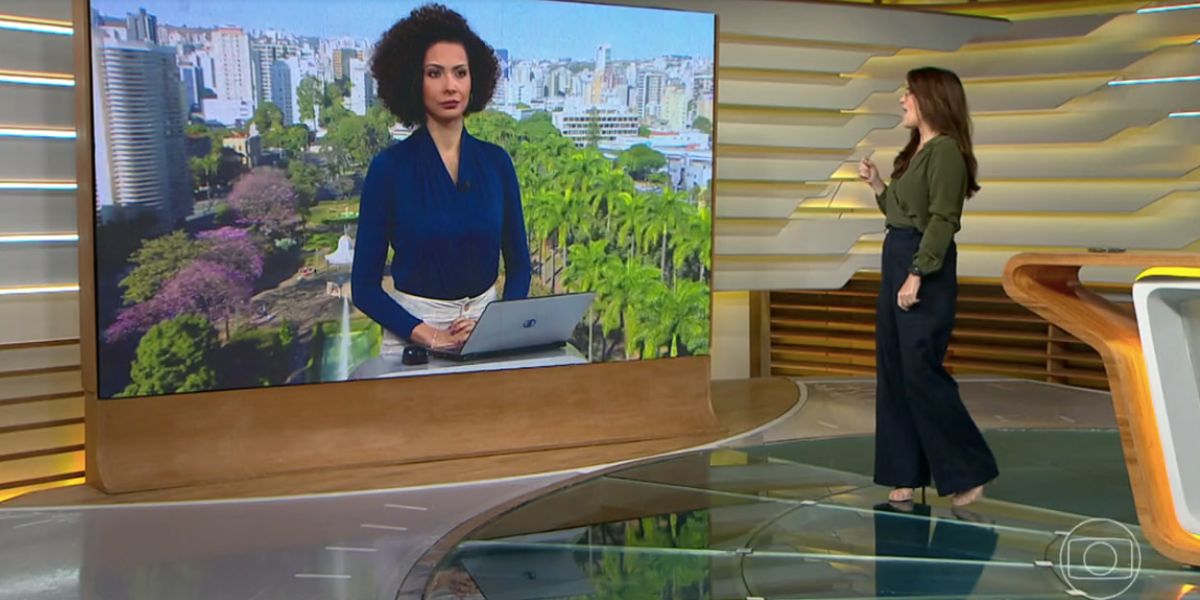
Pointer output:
x,y
32,51
23,386
22,359
38,264
22,416
53,437
22,471
830,332
42,9
39,317
37,106
36,211
37,159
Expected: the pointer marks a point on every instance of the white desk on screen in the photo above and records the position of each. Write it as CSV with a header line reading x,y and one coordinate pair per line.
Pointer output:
x,y
390,365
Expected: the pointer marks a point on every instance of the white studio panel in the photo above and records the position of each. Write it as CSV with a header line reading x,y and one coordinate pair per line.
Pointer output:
x,y
1168,314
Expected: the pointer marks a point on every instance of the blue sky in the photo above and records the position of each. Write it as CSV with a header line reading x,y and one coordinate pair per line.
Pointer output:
x,y
526,28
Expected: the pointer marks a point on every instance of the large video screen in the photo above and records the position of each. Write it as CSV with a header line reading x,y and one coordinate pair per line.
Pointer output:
x,y
284,193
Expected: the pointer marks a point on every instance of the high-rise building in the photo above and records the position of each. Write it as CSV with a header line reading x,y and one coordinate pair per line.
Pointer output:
x,y
192,77
603,57
650,92
233,76
265,52
674,107
559,82
142,26
341,62
285,77
141,166
362,86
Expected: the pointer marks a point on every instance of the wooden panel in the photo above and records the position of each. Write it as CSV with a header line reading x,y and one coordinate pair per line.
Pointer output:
x,y
1048,284
740,405
186,439
832,332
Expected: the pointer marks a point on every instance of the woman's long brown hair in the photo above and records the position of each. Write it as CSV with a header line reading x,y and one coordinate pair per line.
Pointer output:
x,y
943,104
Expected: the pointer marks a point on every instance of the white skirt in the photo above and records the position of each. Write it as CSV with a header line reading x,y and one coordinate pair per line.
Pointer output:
x,y
438,314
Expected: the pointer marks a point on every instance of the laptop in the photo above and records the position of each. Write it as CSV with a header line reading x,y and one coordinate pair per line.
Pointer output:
x,y
528,324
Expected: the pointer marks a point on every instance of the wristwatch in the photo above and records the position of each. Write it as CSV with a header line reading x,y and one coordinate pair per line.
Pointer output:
x,y
915,270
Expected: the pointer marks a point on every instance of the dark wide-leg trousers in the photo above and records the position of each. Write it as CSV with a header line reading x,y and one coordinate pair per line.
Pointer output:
x,y
921,425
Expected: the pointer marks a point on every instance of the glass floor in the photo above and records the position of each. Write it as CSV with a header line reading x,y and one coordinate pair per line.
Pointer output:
x,y
803,520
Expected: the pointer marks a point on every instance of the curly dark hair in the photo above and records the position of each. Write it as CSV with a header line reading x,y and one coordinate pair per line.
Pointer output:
x,y
399,61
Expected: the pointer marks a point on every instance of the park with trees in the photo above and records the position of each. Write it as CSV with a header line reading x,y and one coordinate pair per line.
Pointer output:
x,y
235,296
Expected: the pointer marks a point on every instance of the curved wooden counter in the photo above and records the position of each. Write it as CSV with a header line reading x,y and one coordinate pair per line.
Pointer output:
x,y
1048,284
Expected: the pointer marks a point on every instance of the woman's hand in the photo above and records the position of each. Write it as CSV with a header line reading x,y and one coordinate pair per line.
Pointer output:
x,y
462,327
869,174
436,339
907,297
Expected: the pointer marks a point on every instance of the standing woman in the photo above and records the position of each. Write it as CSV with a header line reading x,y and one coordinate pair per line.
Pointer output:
x,y
447,204
921,425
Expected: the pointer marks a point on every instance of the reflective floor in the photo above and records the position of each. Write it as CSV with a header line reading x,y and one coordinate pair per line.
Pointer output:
x,y
803,520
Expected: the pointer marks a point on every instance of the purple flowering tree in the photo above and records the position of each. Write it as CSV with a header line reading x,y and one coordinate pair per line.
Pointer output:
x,y
213,290
234,248
207,288
266,201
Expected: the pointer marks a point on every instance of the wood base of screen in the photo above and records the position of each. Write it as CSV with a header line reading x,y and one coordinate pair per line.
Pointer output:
x,y
188,439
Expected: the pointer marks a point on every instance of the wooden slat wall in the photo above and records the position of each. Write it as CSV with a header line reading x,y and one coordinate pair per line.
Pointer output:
x,y
41,403
823,333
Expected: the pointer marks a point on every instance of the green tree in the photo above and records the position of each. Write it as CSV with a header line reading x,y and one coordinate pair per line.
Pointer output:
x,y
292,140
640,161
643,131
589,265
669,212
694,242
593,128
333,100
680,318
629,284
268,119
495,127
538,127
306,178
353,141
308,96
702,123
155,262
174,356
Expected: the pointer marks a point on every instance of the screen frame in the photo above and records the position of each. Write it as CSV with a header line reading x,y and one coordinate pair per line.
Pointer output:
x,y
152,442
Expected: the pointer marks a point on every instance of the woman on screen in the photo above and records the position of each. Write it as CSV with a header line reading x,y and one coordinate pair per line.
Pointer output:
x,y
447,204
922,427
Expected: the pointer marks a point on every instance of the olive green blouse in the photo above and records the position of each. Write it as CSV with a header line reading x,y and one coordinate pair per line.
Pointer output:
x,y
929,197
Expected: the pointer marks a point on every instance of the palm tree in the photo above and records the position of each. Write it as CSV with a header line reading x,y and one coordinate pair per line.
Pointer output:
x,y
694,241
628,283
683,317
590,263
669,211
